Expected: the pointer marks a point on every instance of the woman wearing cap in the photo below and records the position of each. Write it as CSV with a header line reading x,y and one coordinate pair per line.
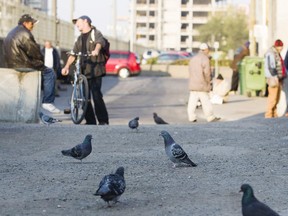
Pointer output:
x,y
275,72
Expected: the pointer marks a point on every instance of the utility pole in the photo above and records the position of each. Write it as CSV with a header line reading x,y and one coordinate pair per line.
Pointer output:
x,y
56,21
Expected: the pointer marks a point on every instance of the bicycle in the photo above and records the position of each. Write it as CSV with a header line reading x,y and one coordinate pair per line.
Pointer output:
x,y
79,98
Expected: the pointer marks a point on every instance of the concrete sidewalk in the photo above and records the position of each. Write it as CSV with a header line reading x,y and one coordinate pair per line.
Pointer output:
x,y
165,95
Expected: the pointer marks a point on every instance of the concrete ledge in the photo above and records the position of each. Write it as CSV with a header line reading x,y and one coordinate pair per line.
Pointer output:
x,y
19,96
178,71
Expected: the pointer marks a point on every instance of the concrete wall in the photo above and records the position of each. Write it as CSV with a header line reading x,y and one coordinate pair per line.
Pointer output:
x,y
19,96
179,71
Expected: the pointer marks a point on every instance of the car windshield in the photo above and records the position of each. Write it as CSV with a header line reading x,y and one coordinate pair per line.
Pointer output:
x,y
119,55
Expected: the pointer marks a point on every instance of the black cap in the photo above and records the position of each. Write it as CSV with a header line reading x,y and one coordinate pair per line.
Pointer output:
x,y
83,18
27,18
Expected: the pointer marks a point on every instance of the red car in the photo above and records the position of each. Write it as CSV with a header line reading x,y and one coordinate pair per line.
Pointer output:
x,y
123,64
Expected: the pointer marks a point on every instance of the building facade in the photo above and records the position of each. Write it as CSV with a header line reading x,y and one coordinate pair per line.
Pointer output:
x,y
170,24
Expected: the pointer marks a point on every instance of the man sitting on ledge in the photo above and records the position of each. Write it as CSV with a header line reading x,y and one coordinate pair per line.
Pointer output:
x,y
23,54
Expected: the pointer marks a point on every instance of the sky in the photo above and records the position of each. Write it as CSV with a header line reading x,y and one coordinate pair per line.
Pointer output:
x,y
101,13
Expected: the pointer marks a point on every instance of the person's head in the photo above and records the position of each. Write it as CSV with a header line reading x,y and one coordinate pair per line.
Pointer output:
x,y
204,48
278,44
48,44
83,23
27,21
247,44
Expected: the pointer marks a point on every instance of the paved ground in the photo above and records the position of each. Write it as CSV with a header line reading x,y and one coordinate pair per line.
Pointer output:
x,y
242,148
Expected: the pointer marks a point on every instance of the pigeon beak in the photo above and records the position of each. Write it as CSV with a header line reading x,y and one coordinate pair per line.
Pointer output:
x,y
240,190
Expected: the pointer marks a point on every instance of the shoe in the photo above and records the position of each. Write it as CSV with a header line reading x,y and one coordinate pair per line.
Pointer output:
x,y
215,119
195,120
103,123
50,107
67,111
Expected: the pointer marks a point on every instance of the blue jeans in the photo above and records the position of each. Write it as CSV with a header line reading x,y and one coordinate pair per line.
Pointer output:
x,y
49,78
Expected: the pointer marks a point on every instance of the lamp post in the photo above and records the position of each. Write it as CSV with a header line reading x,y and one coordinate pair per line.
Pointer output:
x,y
216,56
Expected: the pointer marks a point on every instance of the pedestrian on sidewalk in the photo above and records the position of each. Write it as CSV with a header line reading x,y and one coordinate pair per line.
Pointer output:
x,y
200,85
240,53
23,53
93,67
275,73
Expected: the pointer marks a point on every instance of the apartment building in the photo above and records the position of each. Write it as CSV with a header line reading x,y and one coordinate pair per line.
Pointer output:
x,y
171,24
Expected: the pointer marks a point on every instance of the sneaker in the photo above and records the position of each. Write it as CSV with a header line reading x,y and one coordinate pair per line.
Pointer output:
x,y
50,107
215,119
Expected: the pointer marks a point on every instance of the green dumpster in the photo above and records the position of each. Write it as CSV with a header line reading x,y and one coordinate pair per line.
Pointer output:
x,y
252,77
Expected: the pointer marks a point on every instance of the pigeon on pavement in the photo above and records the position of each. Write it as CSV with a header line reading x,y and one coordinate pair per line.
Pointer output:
x,y
251,206
174,151
134,123
112,186
47,119
80,151
158,120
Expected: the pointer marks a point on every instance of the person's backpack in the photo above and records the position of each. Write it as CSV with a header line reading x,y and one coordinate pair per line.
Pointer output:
x,y
106,50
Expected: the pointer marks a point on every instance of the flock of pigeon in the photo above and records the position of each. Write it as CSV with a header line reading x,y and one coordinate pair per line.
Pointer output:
x,y
112,186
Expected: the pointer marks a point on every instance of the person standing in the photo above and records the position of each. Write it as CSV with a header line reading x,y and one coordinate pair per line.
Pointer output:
x,y
200,85
93,67
52,60
22,52
275,73
238,57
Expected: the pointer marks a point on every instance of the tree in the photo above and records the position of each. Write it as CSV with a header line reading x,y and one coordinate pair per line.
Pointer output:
x,y
229,28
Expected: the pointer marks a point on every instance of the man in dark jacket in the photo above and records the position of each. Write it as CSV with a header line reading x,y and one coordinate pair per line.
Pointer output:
x,y
23,54
91,41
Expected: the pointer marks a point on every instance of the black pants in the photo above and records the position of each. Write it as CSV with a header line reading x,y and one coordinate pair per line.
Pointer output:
x,y
99,105
235,81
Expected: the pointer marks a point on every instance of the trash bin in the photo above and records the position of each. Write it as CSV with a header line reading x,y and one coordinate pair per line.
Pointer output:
x,y
252,77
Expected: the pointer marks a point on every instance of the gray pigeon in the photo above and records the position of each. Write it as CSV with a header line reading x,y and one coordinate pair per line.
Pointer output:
x,y
47,119
134,123
80,151
174,151
158,120
251,206
112,186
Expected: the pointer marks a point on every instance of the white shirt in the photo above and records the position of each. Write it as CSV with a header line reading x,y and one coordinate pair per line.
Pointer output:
x,y
48,61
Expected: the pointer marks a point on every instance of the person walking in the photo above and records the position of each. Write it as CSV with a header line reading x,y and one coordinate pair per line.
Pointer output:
x,y
93,67
23,53
285,82
52,60
275,73
200,85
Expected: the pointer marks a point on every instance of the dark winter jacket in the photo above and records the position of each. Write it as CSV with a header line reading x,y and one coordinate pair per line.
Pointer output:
x,y
21,50
93,66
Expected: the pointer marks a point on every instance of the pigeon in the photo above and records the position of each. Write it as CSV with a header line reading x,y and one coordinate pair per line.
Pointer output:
x,y
112,186
158,120
80,151
251,206
134,124
174,151
47,119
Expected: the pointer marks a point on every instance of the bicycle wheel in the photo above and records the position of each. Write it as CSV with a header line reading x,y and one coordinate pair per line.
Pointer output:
x,y
79,99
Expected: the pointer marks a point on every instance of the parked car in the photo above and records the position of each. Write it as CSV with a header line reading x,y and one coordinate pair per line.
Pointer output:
x,y
123,64
169,57
149,54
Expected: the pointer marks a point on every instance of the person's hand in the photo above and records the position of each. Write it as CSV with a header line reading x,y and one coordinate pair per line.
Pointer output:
x,y
95,53
65,71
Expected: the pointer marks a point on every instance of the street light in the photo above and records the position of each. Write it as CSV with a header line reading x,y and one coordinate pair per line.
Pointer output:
x,y
216,56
